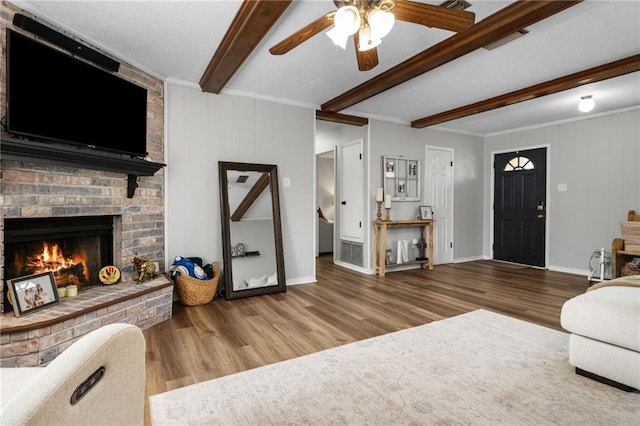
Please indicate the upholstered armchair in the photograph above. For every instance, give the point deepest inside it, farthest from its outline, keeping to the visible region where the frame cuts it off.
(100, 379)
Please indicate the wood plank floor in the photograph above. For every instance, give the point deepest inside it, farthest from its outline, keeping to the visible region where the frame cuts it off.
(224, 337)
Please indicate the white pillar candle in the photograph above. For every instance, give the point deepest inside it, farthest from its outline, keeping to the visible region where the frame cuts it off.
(380, 194)
(387, 201)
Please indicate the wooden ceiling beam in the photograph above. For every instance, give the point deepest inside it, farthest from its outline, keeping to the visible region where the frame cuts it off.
(252, 22)
(591, 75)
(504, 22)
(336, 117)
(251, 197)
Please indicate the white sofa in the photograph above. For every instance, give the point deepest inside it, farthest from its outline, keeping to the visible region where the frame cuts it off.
(99, 380)
(605, 332)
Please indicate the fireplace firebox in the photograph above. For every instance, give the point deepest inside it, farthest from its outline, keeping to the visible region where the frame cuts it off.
(73, 248)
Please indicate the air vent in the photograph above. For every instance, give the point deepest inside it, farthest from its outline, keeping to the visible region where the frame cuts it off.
(242, 179)
(456, 4)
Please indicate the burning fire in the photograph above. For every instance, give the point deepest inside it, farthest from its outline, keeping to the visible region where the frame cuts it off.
(52, 259)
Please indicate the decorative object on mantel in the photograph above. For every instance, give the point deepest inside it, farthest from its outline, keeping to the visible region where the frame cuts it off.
(71, 291)
(144, 266)
(109, 275)
(32, 293)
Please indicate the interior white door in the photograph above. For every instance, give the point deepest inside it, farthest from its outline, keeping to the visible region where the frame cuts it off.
(351, 192)
(439, 195)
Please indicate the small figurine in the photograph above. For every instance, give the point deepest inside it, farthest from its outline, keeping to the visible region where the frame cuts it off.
(144, 266)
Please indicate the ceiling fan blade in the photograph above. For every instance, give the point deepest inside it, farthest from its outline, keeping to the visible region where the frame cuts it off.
(303, 34)
(433, 16)
(368, 59)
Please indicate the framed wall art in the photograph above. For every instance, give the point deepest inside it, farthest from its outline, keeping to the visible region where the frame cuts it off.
(401, 178)
(426, 213)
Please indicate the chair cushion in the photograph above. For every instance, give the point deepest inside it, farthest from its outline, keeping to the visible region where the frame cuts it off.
(609, 314)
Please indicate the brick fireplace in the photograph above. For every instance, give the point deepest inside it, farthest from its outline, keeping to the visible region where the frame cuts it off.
(41, 191)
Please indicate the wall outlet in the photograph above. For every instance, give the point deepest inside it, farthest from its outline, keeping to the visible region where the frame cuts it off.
(562, 187)
(48, 355)
(287, 182)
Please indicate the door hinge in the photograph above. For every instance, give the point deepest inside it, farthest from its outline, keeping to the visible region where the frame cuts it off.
(361, 156)
(452, 164)
(360, 224)
(451, 244)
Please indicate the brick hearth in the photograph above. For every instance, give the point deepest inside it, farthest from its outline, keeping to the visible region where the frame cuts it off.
(35, 339)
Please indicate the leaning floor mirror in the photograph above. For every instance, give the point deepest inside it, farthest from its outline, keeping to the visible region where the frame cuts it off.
(251, 230)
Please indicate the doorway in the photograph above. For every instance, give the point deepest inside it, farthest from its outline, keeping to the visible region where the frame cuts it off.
(520, 203)
(439, 195)
(325, 201)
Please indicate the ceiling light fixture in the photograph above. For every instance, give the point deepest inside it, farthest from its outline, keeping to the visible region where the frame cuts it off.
(586, 104)
(372, 19)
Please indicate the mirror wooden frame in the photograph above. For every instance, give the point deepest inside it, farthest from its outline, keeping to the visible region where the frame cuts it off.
(223, 168)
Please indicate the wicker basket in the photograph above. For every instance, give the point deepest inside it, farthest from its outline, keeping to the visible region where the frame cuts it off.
(194, 292)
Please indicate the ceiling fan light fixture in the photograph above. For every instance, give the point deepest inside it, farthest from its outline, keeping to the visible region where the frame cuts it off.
(338, 37)
(347, 19)
(586, 104)
(380, 22)
(366, 40)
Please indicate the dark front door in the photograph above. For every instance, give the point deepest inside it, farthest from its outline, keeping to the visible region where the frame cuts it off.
(520, 206)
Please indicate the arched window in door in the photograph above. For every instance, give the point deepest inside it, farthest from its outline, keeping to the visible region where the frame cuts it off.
(519, 163)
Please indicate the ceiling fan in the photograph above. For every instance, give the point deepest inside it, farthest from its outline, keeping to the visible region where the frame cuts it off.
(368, 21)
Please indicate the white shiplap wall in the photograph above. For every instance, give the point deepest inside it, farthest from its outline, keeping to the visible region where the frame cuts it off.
(396, 139)
(203, 129)
(599, 161)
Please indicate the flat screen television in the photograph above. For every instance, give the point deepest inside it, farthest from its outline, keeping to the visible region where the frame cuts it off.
(53, 96)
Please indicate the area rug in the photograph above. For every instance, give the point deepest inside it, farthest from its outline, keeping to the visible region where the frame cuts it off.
(477, 368)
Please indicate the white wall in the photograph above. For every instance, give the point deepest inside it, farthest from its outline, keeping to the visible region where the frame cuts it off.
(597, 158)
(203, 129)
(396, 139)
(599, 161)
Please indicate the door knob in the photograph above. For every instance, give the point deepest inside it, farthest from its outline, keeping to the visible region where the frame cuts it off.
(540, 216)
(344, 203)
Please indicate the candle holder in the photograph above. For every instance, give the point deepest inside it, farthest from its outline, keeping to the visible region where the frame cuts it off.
(388, 218)
(379, 213)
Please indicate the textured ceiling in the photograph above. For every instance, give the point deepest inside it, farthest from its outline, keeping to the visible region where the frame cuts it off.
(175, 40)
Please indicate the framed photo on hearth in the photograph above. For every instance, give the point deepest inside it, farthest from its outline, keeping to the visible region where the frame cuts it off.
(32, 293)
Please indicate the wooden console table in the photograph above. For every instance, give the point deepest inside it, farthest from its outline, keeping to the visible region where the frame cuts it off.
(380, 242)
